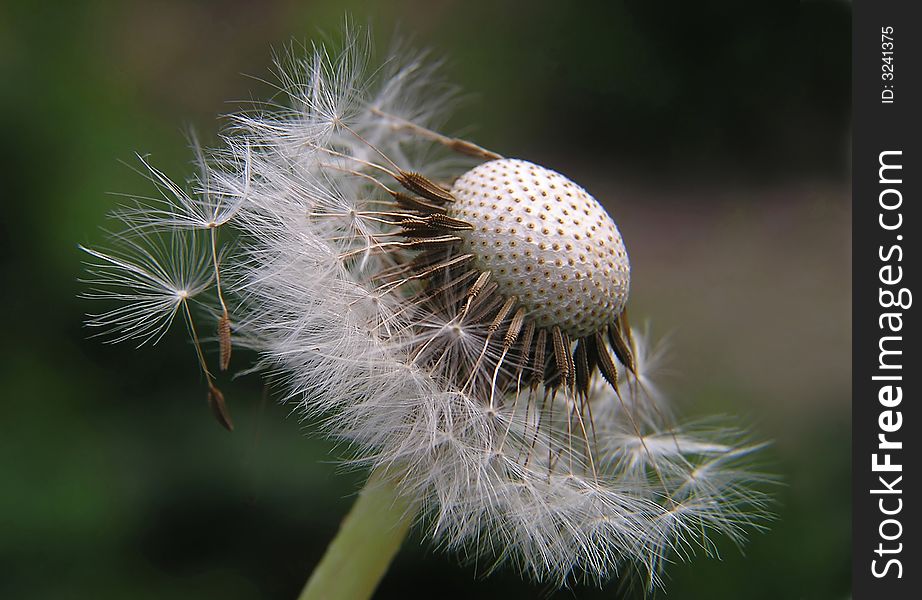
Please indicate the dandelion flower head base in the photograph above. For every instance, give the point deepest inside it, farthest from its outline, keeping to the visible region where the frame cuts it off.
(523, 255)
(456, 316)
(546, 241)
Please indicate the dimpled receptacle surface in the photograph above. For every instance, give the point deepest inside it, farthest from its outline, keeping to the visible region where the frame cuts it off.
(546, 241)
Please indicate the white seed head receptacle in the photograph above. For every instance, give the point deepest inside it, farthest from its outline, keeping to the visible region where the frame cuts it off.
(546, 241)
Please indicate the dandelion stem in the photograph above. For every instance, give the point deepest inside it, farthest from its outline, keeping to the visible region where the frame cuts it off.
(367, 541)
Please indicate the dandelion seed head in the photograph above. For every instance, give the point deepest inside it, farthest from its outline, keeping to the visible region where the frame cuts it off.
(547, 241)
(462, 328)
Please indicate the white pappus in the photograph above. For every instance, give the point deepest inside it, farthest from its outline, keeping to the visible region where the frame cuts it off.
(456, 316)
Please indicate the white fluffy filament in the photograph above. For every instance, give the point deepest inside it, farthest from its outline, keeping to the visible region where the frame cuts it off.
(519, 474)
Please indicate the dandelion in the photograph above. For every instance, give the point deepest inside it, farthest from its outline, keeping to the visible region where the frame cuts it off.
(457, 317)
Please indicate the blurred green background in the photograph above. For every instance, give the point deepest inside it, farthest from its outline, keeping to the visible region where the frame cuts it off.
(715, 133)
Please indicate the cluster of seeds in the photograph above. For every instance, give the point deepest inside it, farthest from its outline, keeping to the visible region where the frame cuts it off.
(463, 338)
(537, 257)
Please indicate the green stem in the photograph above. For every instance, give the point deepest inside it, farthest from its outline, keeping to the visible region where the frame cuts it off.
(362, 550)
